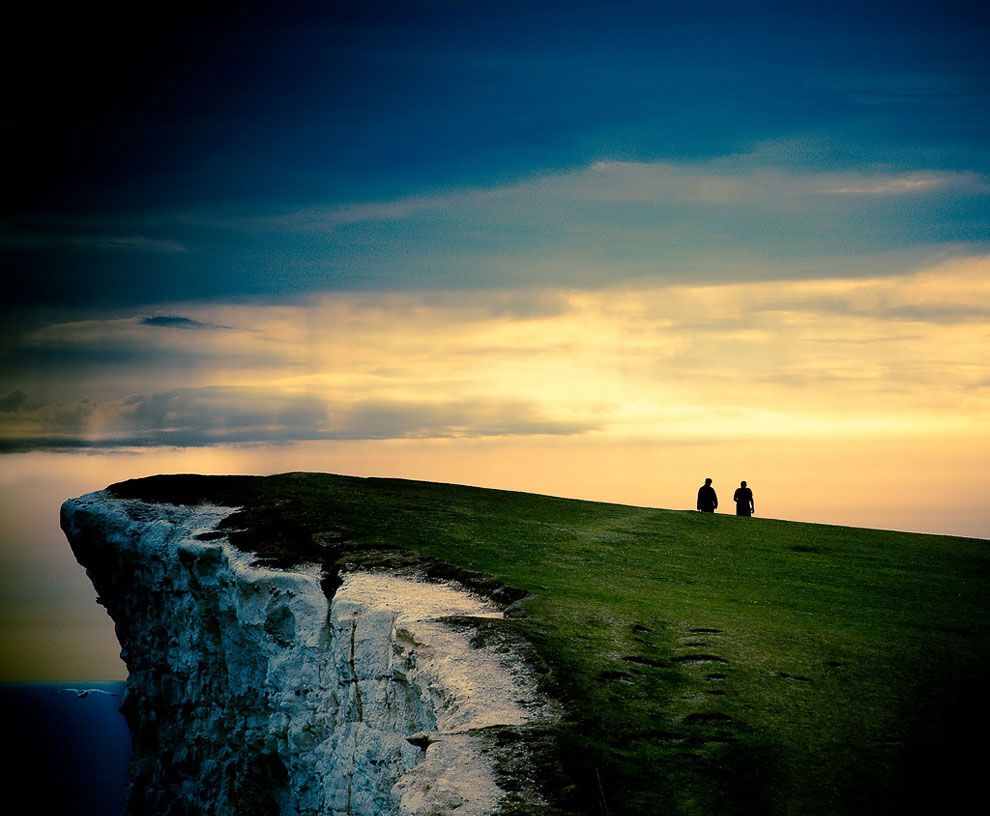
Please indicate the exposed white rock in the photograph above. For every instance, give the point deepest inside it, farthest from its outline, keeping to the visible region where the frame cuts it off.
(249, 693)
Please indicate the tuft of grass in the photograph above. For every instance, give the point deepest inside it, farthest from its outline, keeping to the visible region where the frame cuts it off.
(709, 663)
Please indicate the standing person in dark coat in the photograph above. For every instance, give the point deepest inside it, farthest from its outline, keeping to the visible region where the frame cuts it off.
(707, 500)
(743, 497)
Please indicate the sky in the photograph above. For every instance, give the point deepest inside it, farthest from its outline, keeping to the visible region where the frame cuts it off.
(596, 250)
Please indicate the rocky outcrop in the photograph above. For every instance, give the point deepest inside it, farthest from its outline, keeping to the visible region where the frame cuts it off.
(251, 692)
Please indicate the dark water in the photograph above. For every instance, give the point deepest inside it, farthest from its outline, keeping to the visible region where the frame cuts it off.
(68, 754)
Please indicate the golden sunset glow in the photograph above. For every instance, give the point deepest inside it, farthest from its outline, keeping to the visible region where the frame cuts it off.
(811, 359)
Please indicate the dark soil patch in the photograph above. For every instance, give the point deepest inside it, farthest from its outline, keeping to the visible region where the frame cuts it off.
(700, 658)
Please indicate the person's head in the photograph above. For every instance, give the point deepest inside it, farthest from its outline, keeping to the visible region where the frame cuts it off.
(742, 484)
(708, 481)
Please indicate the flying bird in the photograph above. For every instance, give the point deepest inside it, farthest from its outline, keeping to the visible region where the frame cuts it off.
(82, 692)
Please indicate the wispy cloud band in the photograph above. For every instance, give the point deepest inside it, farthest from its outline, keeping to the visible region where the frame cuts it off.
(716, 183)
(631, 361)
(728, 219)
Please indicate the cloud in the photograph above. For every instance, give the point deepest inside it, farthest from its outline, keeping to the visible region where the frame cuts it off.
(905, 184)
(637, 360)
(198, 417)
(13, 402)
(952, 291)
(456, 419)
(134, 243)
(610, 184)
(884, 88)
(178, 322)
(84, 348)
(710, 221)
(183, 417)
(717, 183)
(33, 239)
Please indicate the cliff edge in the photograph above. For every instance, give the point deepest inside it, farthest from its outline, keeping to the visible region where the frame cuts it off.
(302, 689)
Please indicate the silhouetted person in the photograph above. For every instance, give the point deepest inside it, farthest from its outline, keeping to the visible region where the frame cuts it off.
(707, 500)
(743, 497)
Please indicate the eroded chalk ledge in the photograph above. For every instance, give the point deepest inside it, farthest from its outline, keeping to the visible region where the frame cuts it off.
(250, 691)
(471, 688)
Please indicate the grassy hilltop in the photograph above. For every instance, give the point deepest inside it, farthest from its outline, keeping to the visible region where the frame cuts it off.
(710, 664)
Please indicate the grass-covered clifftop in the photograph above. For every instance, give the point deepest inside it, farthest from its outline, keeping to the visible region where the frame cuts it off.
(710, 664)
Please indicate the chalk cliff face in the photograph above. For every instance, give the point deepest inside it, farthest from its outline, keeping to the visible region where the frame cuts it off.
(250, 692)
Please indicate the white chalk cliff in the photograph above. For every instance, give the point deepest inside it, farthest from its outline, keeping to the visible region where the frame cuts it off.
(249, 692)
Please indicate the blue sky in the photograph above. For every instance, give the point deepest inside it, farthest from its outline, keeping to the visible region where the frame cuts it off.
(138, 159)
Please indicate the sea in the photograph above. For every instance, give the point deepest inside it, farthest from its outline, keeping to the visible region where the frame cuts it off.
(68, 747)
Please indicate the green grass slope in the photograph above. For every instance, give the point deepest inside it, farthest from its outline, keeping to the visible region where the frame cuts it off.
(710, 664)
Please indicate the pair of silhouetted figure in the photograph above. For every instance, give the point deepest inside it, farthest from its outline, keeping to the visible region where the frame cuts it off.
(743, 497)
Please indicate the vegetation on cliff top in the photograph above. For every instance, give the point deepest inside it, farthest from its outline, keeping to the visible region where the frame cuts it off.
(710, 664)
